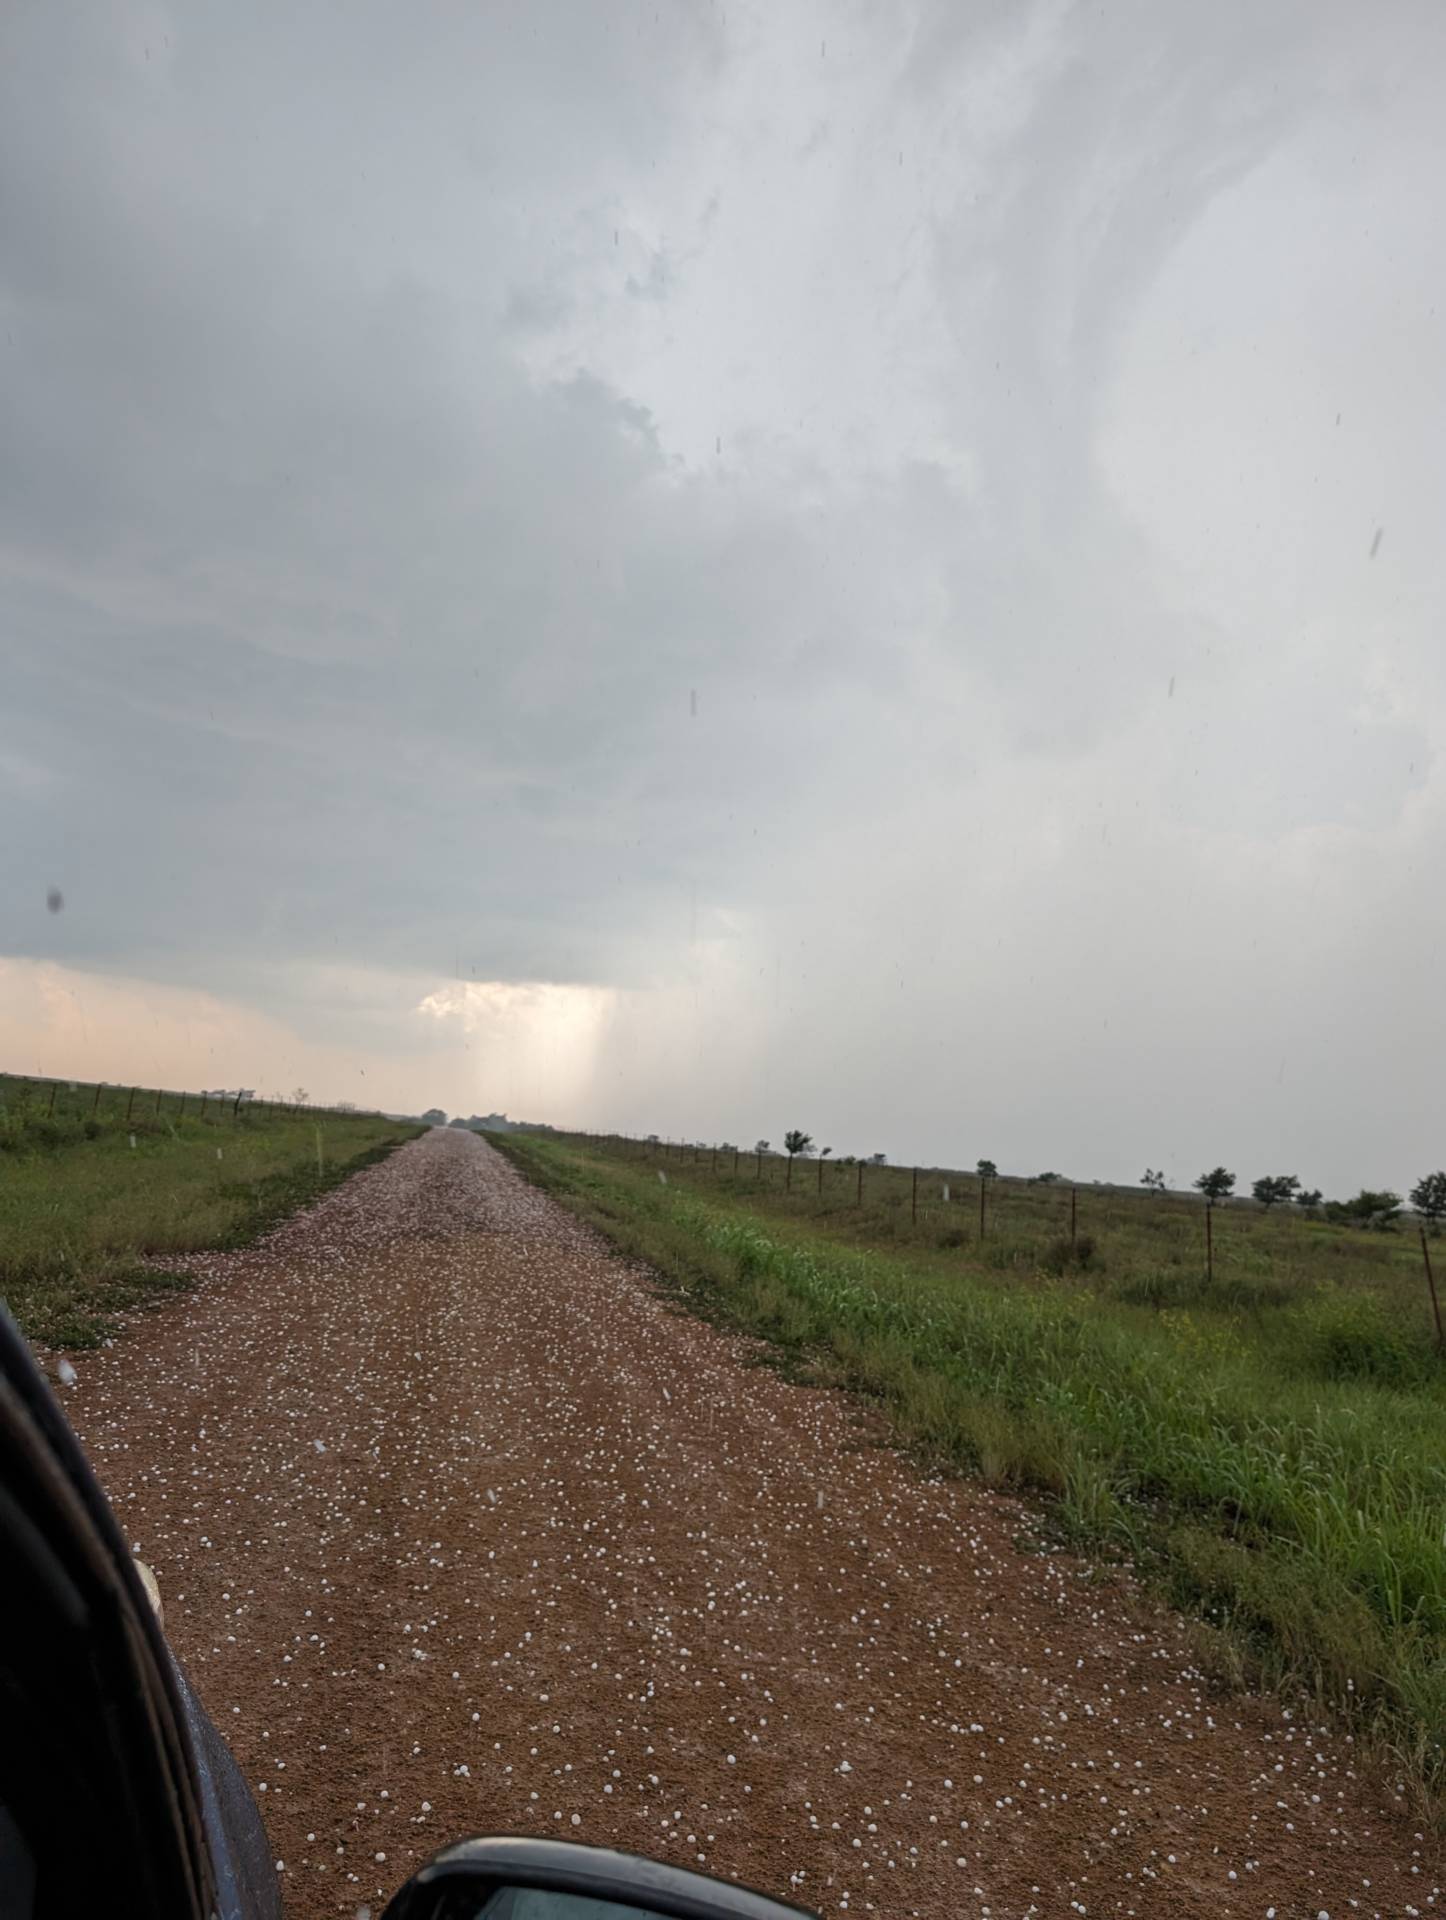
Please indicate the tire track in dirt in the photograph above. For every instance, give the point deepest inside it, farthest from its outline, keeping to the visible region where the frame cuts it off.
(461, 1528)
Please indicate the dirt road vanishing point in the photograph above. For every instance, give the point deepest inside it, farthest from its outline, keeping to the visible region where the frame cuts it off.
(460, 1527)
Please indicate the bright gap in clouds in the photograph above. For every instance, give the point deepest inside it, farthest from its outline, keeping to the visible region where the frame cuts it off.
(534, 1043)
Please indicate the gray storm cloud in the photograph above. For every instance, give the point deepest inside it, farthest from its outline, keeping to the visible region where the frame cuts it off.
(849, 536)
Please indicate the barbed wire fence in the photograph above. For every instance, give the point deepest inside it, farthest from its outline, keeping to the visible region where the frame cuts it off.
(57, 1097)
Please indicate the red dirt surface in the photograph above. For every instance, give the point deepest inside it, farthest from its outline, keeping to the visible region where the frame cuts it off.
(460, 1527)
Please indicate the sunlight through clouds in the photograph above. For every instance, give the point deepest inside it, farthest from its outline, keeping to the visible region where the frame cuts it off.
(537, 1041)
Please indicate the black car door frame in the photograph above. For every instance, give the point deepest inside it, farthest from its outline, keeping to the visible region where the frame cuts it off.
(96, 1765)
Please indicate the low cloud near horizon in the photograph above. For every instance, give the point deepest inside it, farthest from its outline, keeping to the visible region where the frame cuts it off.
(714, 568)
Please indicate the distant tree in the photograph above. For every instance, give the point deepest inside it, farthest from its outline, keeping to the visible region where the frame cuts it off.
(1216, 1185)
(878, 1159)
(299, 1096)
(435, 1117)
(1271, 1188)
(652, 1140)
(987, 1170)
(824, 1152)
(1046, 1179)
(1153, 1180)
(1428, 1196)
(1368, 1209)
(1309, 1198)
(761, 1146)
(795, 1141)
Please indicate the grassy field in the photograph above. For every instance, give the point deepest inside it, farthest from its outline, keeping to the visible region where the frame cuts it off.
(1269, 1448)
(89, 1186)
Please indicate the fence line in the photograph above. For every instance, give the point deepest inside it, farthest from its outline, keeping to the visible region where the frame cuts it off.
(229, 1103)
(693, 1150)
(988, 1185)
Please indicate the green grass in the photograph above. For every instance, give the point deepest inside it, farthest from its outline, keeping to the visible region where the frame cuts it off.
(1269, 1448)
(89, 1188)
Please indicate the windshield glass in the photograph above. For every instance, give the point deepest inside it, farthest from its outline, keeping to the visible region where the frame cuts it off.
(722, 811)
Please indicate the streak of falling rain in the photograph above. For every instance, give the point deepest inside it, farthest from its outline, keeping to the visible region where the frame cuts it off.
(1376, 543)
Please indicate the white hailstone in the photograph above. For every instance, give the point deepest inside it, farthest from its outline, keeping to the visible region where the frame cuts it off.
(66, 1372)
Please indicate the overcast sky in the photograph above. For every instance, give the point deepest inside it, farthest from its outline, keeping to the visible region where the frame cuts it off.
(710, 567)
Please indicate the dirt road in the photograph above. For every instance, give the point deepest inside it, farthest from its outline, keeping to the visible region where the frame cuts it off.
(460, 1528)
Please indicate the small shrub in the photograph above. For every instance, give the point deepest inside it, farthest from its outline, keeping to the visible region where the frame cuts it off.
(1182, 1286)
(955, 1237)
(1070, 1256)
(1347, 1336)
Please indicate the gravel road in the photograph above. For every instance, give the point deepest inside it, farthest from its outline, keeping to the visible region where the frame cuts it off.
(460, 1527)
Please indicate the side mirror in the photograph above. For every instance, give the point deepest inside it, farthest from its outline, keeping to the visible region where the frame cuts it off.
(514, 1878)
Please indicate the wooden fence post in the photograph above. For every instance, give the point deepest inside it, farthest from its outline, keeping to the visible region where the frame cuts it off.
(96, 1102)
(129, 1104)
(914, 1201)
(1073, 1212)
(859, 1197)
(983, 1189)
(1431, 1283)
(1209, 1243)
